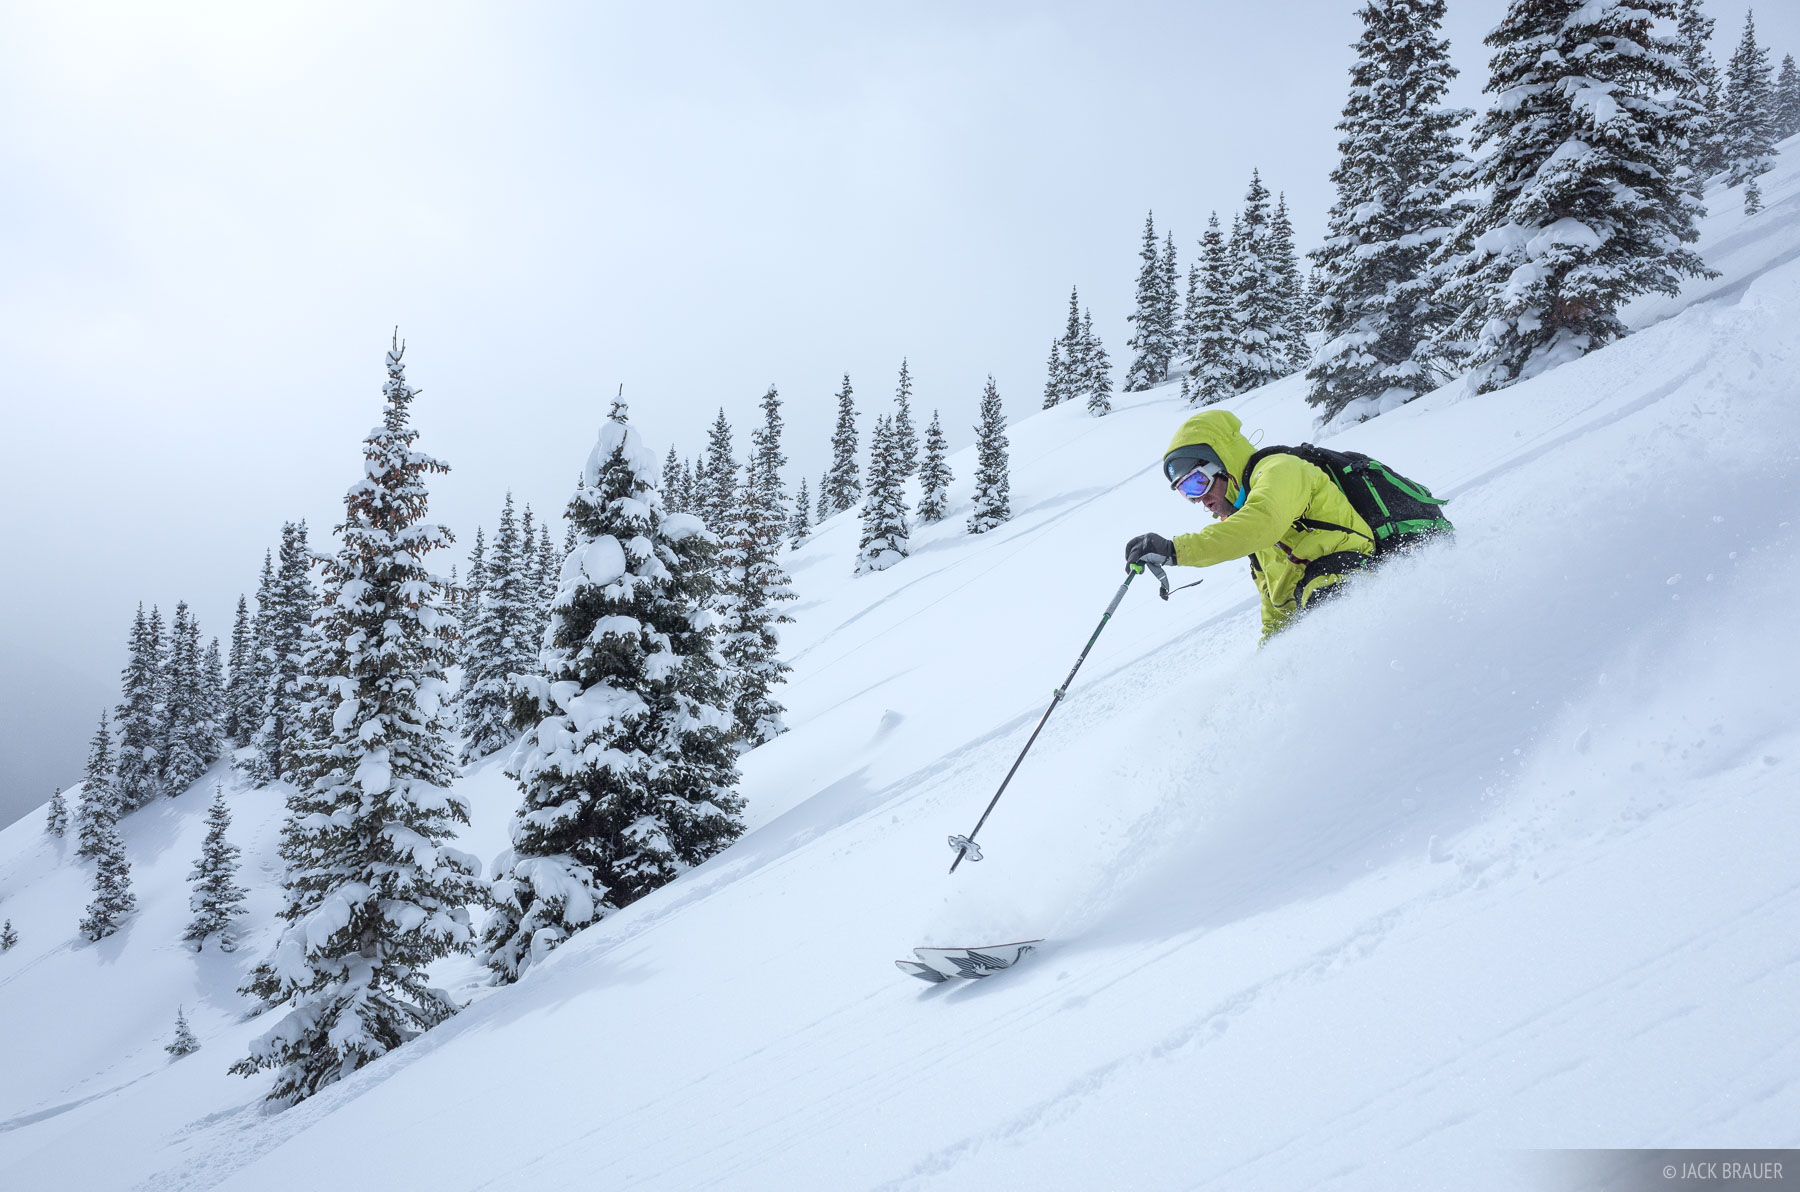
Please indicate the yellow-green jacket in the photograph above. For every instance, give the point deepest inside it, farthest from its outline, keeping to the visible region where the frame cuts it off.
(1284, 490)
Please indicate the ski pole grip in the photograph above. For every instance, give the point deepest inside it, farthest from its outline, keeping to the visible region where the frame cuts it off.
(1162, 580)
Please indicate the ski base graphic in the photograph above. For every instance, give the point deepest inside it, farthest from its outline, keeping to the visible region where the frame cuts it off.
(941, 964)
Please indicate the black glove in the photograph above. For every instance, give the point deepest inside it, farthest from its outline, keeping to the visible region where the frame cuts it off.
(1150, 548)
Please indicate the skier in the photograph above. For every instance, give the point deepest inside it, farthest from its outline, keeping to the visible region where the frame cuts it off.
(1302, 535)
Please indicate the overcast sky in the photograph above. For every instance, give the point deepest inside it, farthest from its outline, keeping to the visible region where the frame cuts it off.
(213, 215)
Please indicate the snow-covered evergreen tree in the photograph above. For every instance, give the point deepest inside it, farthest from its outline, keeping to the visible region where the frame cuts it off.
(906, 436)
(1169, 310)
(239, 688)
(718, 482)
(499, 639)
(139, 720)
(283, 647)
(9, 938)
(1749, 128)
(56, 819)
(212, 739)
(673, 483)
(767, 459)
(626, 767)
(884, 537)
(1399, 170)
(1787, 99)
(549, 570)
(1096, 370)
(800, 524)
(842, 486)
(1291, 337)
(190, 740)
(1584, 207)
(1214, 368)
(380, 895)
(184, 1042)
(113, 899)
(100, 804)
(1702, 93)
(1053, 376)
(993, 482)
(1188, 342)
(215, 898)
(754, 584)
(1150, 342)
(469, 620)
(1259, 308)
(934, 474)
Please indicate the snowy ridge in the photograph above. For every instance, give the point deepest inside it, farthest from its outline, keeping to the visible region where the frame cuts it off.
(1496, 854)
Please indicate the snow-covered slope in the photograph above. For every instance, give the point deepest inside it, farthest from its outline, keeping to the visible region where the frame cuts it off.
(1495, 854)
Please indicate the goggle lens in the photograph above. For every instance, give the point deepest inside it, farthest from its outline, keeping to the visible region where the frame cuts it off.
(1195, 484)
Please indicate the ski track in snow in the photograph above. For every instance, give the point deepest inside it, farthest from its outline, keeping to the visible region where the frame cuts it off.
(1529, 886)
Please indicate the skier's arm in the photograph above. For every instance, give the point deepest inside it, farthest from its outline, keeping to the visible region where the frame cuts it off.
(1280, 496)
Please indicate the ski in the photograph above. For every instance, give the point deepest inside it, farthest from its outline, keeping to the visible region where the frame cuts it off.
(921, 970)
(974, 963)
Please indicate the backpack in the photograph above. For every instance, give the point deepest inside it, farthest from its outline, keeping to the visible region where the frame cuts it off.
(1401, 512)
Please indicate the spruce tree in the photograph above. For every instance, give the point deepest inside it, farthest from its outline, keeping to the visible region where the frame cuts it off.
(1399, 172)
(754, 583)
(1149, 342)
(1702, 94)
(380, 895)
(1053, 376)
(842, 486)
(1259, 309)
(1214, 368)
(1169, 309)
(934, 475)
(1787, 99)
(469, 619)
(56, 822)
(1749, 138)
(884, 539)
(1291, 337)
(1096, 373)
(626, 766)
(673, 483)
(767, 459)
(292, 599)
(824, 509)
(500, 641)
(1071, 353)
(1188, 342)
(718, 483)
(256, 669)
(184, 1042)
(993, 484)
(549, 574)
(8, 937)
(800, 524)
(906, 437)
(99, 807)
(113, 899)
(139, 719)
(1584, 206)
(211, 737)
(215, 898)
(190, 739)
(239, 708)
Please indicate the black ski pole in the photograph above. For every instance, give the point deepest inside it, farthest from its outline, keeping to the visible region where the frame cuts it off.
(965, 845)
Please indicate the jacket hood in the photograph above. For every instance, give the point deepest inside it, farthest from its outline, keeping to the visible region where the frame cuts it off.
(1220, 430)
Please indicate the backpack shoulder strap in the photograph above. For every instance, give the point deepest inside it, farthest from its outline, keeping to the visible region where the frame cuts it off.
(1256, 457)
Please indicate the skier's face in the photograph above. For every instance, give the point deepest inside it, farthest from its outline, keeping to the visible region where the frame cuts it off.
(1216, 502)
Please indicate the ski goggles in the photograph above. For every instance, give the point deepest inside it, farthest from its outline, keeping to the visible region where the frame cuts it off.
(1198, 482)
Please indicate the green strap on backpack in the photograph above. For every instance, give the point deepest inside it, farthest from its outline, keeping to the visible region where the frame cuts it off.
(1402, 513)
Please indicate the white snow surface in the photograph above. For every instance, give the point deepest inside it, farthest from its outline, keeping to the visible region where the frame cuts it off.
(1496, 853)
